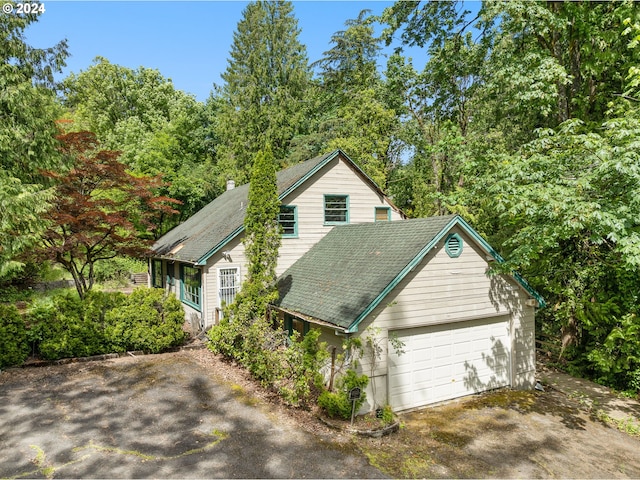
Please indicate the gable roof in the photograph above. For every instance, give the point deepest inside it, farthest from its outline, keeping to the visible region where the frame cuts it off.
(352, 269)
(211, 228)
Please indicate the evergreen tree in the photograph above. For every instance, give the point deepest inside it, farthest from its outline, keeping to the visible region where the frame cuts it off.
(263, 98)
(356, 117)
(261, 240)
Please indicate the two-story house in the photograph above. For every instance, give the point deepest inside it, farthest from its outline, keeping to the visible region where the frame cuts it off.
(202, 260)
(351, 265)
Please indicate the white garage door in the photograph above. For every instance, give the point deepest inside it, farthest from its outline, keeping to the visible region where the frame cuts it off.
(442, 362)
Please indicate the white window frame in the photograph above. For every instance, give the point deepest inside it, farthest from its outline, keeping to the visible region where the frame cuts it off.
(225, 297)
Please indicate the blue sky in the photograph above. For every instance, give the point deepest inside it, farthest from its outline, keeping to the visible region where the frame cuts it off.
(187, 41)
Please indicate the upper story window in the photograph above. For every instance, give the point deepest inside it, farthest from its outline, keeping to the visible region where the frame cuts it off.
(383, 214)
(336, 209)
(288, 220)
(191, 291)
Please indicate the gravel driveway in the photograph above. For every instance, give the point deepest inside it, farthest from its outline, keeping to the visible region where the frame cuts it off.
(162, 416)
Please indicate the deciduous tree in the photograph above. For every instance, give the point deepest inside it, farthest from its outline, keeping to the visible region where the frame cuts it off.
(27, 131)
(158, 129)
(99, 211)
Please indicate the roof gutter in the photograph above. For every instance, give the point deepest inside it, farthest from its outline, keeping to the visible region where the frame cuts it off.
(315, 321)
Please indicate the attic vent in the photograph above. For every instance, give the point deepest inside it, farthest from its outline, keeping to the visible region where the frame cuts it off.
(453, 245)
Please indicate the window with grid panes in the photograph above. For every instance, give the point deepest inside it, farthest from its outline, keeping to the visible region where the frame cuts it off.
(287, 218)
(336, 209)
(228, 284)
(191, 286)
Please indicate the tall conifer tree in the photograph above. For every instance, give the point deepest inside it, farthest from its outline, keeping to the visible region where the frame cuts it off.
(262, 99)
(27, 135)
(262, 239)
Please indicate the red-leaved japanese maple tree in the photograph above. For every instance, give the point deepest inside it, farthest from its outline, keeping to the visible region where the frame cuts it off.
(100, 210)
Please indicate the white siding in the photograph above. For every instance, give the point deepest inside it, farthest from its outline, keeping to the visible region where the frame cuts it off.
(442, 290)
(334, 178)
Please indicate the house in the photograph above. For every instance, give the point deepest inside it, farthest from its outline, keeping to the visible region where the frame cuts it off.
(424, 282)
(202, 260)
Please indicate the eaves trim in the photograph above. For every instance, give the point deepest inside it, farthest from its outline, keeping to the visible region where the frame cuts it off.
(457, 220)
(403, 273)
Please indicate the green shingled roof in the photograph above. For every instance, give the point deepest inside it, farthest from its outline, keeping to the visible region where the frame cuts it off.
(350, 271)
(344, 273)
(209, 229)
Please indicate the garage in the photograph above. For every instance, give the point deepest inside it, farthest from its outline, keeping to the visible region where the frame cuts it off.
(451, 360)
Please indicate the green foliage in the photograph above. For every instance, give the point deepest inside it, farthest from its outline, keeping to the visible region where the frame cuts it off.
(337, 404)
(100, 211)
(27, 136)
(158, 129)
(387, 415)
(354, 113)
(150, 321)
(14, 348)
(118, 269)
(264, 95)
(616, 361)
(261, 241)
(103, 322)
(290, 367)
(64, 331)
(303, 360)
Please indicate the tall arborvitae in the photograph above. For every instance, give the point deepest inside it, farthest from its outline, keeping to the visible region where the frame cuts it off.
(266, 80)
(261, 241)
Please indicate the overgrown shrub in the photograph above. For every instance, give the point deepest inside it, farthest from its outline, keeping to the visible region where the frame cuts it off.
(103, 322)
(227, 338)
(14, 348)
(64, 330)
(149, 320)
(337, 404)
(289, 367)
(303, 361)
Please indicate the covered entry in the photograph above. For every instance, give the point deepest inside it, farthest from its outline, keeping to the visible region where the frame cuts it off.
(445, 361)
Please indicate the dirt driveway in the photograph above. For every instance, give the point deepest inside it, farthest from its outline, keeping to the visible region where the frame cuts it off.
(188, 414)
